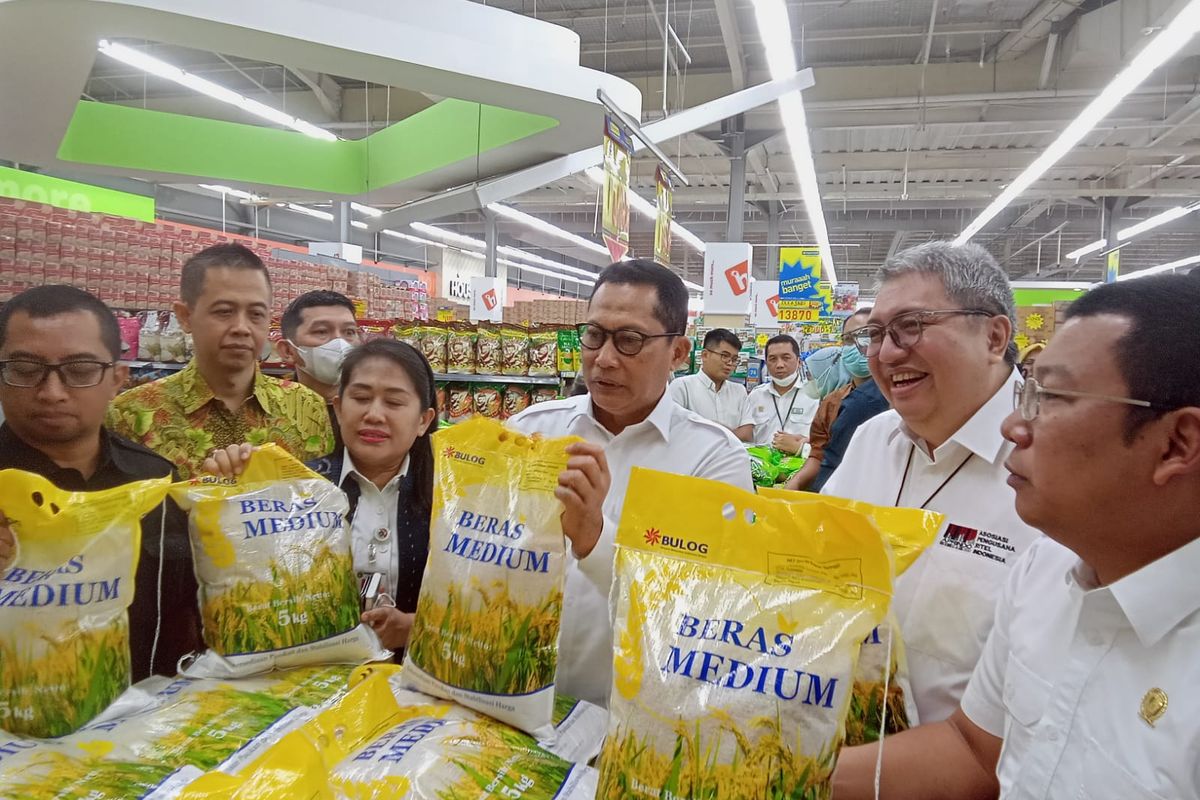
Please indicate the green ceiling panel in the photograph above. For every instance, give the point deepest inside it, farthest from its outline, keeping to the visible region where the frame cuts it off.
(443, 134)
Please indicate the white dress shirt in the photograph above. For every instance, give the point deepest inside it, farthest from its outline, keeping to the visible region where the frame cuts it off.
(374, 550)
(698, 393)
(671, 439)
(771, 412)
(1070, 666)
(945, 602)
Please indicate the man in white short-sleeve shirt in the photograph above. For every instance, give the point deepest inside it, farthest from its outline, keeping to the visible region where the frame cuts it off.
(938, 345)
(636, 319)
(709, 392)
(1087, 685)
(780, 412)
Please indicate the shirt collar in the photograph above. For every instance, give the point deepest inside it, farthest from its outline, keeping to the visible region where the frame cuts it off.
(349, 469)
(19, 454)
(707, 382)
(659, 417)
(981, 433)
(1161, 594)
(197, 392)
(771, 388)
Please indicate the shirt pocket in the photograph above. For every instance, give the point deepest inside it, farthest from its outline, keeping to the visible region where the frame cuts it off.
(1104, 778)
(1025, 698)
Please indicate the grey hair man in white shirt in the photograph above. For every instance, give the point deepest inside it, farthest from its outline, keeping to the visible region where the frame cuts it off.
(634, 334)
(1087, 685)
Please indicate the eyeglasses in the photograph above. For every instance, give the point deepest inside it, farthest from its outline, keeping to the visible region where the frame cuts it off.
(905, 329)
(726, 358)
(75, 374)
(1027, 398)
(628, 342)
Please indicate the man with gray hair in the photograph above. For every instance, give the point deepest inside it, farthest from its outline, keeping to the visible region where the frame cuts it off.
(939, 345)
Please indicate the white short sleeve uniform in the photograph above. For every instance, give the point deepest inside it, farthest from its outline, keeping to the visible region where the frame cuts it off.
(698, 393)
(945, 602)
(1094, 689)
(671, 439)
(771, 412)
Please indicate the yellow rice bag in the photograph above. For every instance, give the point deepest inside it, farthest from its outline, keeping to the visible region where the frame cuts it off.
(738, 621)
(909, 531)
(64, 627)
(277, 583)
(487, 622)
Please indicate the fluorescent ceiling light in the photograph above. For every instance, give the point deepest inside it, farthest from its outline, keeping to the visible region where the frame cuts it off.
(358, 224)
(229, 190)
(547, 273)
(775, 30)
(1087, 249)
(154, 66)
(415, 239)
(646, 209)
(1162, 47)
(370, 212)
(461, 241)
(536, 259)
(545, 227)
(1169, 215)
(449, 236)
(312, 212)
(1174, 265)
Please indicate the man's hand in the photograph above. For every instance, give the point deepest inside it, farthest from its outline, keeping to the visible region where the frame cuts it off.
(8, 544)
(228, 462)
(582, 487)
(788, 442)
(391, 625)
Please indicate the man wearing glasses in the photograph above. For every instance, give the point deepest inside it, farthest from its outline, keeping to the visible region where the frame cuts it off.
(939, 345)
(709, 392)
(634, 334)
(58, 372)
(1086, 687)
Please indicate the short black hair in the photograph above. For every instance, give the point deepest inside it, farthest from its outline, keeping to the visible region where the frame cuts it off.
(219, 256)
(293, 315)
(722, 336)
(1159, 357)
(672, 306)
(54, 299)
(782, 338)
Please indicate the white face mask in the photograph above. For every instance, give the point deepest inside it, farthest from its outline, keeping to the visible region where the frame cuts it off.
(324, 363)
(787, 381)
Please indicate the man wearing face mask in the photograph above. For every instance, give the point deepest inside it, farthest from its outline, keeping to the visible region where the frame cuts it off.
(779, 413)
(319, 329)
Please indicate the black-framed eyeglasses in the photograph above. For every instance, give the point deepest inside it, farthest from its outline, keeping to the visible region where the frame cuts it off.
(905, 329)
(1027, 398)
(628, 342)
(25, 374)
(726, 358)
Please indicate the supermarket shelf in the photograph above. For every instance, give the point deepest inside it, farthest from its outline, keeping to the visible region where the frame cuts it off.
(270, 369)
(547, 380)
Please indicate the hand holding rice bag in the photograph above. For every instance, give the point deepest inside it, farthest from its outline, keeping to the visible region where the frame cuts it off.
(487, 623)
(277, 583)
(64, 627)
(738, 621)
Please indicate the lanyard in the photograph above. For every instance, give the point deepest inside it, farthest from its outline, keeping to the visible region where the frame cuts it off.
(936, 491)
(775, 402)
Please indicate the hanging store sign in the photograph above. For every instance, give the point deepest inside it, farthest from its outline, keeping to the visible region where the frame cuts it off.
(727, 278)
(662, 219)
(615, 217)
(487, 300)
(1112, 267)
(766, 304)
(799, 273)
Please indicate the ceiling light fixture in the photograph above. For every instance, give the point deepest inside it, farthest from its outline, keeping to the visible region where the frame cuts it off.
(542, 225)
(646, 209)
(1171, 267)
(1162, 47)
(368, 210)
(1087, 249)
(1170, 215)
(775, 30)
(312, 212)
(460, 242)
(229, 190)
(536, 259)
(148, 63)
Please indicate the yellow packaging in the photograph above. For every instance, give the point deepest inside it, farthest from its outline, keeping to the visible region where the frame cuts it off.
(487, 622)
(882, 664)
(277, 582)
(738, 622)
(64, 626)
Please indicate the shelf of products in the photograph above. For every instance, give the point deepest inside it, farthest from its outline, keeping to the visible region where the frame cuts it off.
(545, 380)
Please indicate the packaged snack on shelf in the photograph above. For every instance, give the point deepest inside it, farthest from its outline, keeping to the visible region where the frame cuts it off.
(486, 630)
(541, 394)
(460, 348)
(568, 350)
(489, 359)
(516, 400)
(149, 346)
(460, 402)
(543, 351)
(909, 531)
(408, 332)
(173, 341)
(374, 329)
(514, 347)
(487, 397)
(738, 624)
(130, 327)
(277, 583)
(433, 345)
(64, 627)
(442, 410)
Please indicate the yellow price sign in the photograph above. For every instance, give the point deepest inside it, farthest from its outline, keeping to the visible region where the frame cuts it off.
(800, 310)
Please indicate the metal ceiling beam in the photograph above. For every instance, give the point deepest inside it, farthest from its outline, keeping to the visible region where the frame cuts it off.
(1035, 27)
(327, 91)
(731, 35)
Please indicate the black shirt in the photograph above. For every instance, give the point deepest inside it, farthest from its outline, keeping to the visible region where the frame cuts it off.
(121, 462)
